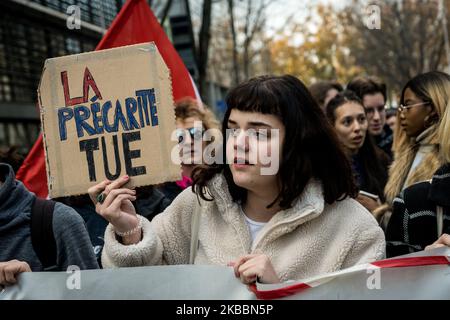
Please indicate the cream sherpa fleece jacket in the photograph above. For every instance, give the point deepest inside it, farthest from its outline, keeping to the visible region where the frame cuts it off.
(309, 239)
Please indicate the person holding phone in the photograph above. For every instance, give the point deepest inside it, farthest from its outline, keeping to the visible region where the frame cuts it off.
(348, 116)
(373, 94)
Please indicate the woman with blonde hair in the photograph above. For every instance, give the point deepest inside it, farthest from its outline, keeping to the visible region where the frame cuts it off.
(423, 101)
(192, 122)
(421, 212)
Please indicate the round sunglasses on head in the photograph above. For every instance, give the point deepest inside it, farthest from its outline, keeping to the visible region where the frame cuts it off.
(195, 133)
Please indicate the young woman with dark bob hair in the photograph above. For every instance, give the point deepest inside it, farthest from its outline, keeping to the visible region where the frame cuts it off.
(298, 222)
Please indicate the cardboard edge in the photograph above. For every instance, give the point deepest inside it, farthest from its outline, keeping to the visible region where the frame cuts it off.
(171, 176)
(83, 54)
(42, 125)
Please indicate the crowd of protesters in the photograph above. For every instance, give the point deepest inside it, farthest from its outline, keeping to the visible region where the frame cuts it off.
(357, 181)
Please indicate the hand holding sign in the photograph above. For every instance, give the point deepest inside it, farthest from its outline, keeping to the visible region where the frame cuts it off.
(117, 207)
(106, 114)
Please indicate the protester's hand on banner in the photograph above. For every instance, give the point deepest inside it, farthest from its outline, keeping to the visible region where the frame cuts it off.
(113, 202)
(10, 269)
(255, 267)
(443, 241)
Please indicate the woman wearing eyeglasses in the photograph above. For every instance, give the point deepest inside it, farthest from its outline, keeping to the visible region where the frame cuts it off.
(421, 213)
(294, 222)
(416, 149)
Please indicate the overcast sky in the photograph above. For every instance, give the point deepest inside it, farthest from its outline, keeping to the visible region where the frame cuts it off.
(280, 10)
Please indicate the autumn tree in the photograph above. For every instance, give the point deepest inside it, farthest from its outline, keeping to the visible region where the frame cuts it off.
(410, 39)
(320, 54)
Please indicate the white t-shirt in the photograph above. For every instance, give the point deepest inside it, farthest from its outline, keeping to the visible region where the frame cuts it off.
(253, 226)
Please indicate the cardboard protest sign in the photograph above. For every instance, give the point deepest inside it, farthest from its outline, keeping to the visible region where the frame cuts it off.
(106, 114)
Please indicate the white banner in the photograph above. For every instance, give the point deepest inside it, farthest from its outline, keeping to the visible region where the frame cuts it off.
(424, 275)
(143, 283)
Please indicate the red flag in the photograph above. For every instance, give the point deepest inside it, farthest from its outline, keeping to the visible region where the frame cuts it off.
(134, 24)
(32, 172)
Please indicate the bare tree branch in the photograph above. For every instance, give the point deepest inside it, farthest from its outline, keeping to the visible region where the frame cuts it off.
(166, 11)
(234, 44)
(203, 46)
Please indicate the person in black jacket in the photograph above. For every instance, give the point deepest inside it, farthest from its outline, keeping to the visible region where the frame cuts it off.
(421, 213)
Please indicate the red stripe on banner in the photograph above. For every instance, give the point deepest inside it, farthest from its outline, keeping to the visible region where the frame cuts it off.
(278, 293)
(412, 262)
(392, 263)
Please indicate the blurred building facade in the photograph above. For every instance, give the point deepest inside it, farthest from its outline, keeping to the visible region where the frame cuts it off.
(34, 30)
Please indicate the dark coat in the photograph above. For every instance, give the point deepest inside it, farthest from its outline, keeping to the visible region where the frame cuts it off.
(385, 140)
(413, 224)
(71, 237)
